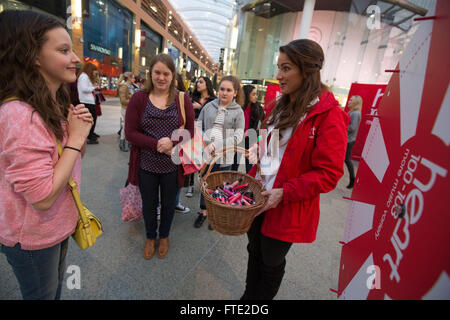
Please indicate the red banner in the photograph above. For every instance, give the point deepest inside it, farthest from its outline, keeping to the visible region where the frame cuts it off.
(397, 233)
(371, 95)
(272, 92)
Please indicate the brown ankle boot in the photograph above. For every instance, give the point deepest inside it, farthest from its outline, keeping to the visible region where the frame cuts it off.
(163, 247)
(149, 248)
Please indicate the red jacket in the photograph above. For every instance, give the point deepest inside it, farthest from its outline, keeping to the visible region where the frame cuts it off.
(135, 135)
(312, 164)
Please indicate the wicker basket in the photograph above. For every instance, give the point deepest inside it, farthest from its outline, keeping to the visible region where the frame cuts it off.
(224, 218)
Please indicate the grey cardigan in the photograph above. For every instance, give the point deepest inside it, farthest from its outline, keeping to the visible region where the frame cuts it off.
(234, 123)
(355, 120)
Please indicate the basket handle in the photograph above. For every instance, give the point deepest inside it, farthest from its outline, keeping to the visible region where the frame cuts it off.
(212, 161)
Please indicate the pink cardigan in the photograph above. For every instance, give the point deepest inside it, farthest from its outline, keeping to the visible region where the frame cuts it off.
(28, 155)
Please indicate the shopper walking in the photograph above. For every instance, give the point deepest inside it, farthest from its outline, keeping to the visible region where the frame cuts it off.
(37, 211)
(87, 85)
(203, 94)
(254, 115)
(218, 119)
(126, 90)
(153, 114)
(355, 105)
(312, 130)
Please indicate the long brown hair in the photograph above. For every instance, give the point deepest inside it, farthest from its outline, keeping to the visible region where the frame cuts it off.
(89, 69)
(237, 86)
(23, 33)
(308, 56)
(168, 61)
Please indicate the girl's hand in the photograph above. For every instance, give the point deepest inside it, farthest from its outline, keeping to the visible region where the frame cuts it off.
(275, 197)
(77, 128)
(253, 154)
(210, 149)
(82, 113)
(196, 105)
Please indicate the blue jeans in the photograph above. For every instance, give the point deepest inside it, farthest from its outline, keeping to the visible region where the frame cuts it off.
(40, 273)
(214, 169)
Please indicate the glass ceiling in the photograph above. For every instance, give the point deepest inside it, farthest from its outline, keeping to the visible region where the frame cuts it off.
(208, 20)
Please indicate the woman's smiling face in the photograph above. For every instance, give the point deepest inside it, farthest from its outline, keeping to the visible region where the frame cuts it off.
(56, 60)
(289, 75)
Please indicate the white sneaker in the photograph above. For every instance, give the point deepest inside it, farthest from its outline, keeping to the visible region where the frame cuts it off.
(182, 209)
(190, 192)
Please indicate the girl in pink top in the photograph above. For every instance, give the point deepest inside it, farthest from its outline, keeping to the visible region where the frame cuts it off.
(37, 211)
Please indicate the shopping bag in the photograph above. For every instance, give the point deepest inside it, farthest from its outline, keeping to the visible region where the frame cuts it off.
(131, 200)
(191, 151)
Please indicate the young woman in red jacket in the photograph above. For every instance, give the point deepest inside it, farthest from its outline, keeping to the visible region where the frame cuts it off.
(306, 159)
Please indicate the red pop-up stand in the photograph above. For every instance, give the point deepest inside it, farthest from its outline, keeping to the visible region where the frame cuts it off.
(397, 235)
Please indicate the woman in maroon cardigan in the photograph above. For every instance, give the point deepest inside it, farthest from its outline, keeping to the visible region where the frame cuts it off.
(153, 115)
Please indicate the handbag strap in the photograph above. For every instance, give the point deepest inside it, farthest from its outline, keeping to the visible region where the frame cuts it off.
(74, 189)
(10, 99)
(183, 111)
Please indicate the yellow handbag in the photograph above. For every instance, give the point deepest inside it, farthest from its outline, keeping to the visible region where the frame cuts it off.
(89, 227)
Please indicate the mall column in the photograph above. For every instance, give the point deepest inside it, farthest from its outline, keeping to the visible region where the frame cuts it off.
(307, 14)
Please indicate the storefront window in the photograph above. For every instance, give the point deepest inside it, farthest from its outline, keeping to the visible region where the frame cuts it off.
(175, 54)
(355, 51)
(149, 48)
(191, 69)
(108, 40)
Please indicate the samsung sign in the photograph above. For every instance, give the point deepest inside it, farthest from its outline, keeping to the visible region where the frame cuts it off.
(99, 49)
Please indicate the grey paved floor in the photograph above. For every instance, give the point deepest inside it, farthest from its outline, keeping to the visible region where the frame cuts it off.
(201, 264)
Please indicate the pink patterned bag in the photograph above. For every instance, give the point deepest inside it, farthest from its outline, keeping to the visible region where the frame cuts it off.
(130, 196)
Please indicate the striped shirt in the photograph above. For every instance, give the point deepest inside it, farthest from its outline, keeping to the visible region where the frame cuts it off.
(217, 129)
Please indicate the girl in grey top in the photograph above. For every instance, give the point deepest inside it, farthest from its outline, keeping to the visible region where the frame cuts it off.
(355, 105)
(222, 121)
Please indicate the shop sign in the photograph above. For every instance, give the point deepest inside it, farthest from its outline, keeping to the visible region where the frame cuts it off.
(250, 81)
(97, 48)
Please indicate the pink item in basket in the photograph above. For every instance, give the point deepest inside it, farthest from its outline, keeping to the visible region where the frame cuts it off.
(131, 200)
